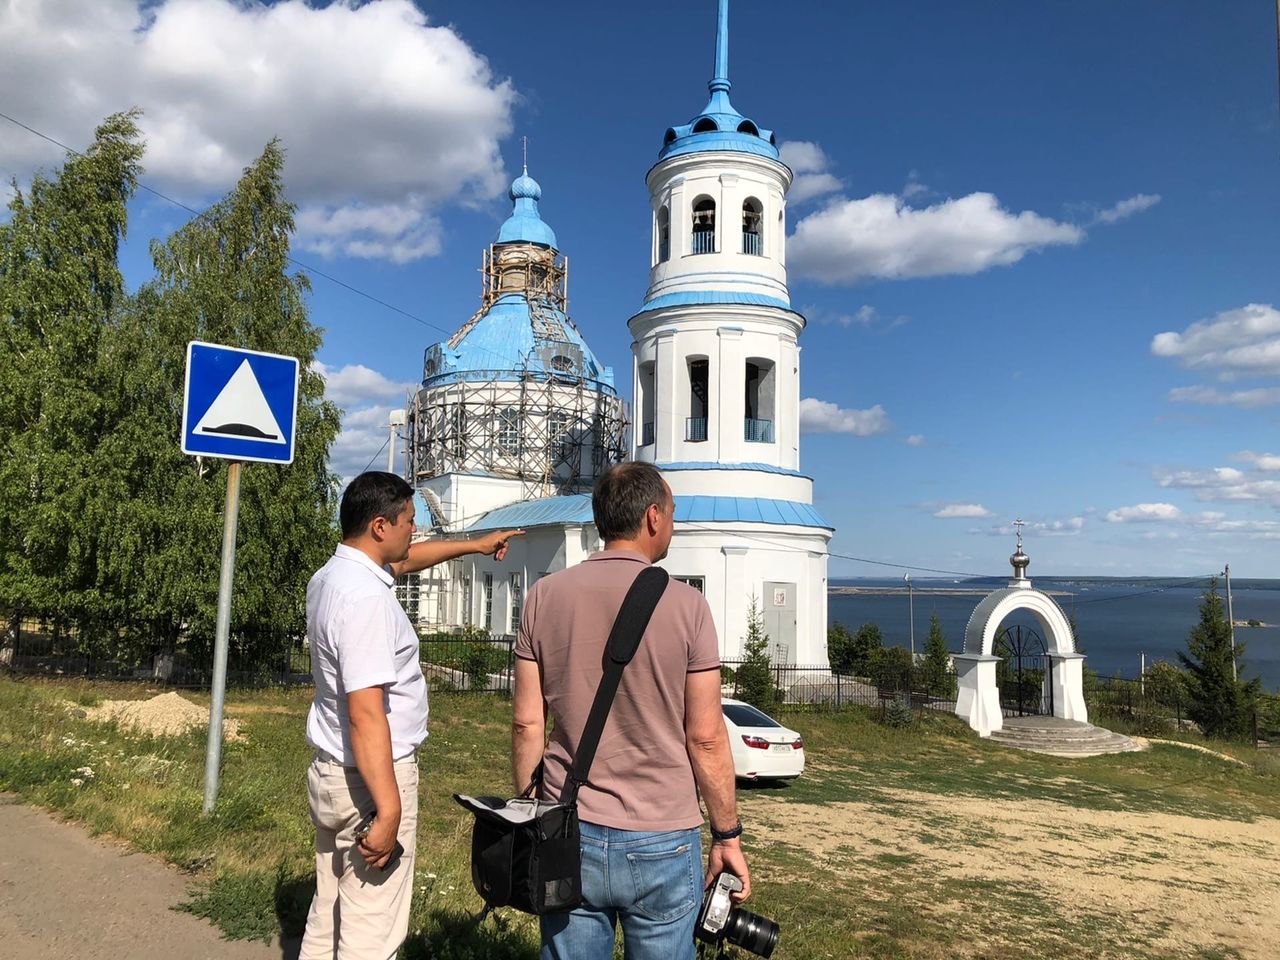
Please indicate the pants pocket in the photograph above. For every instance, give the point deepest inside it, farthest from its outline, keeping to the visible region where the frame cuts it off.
(666, 880)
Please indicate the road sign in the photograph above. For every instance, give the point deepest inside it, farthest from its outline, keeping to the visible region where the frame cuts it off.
(239, 404)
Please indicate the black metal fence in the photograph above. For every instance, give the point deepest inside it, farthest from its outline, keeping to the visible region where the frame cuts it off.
(472, 662)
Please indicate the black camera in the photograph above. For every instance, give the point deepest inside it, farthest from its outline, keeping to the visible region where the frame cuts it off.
(719, 920)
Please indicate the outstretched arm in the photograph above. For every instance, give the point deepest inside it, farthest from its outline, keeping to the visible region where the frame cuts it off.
(427, 553)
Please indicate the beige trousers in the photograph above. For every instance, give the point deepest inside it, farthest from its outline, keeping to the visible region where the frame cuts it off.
(359, 912)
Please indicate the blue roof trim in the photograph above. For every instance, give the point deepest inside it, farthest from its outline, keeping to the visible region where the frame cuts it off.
(548, 511)
(714, 297)
(552, 511)
(525, 225)
(718, 140)
(717, 465)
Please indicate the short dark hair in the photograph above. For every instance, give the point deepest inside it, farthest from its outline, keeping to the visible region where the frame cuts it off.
(372, 494)
(621, 497)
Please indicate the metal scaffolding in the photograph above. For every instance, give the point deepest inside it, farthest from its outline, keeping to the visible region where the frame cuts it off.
(549, 424)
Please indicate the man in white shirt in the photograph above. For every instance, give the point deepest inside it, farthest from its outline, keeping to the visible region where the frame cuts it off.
(367, 719)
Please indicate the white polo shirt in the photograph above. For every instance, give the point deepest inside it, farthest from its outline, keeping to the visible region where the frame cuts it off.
(360, 637)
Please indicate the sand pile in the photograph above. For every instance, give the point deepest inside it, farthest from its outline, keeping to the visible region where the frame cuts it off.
(167, 715)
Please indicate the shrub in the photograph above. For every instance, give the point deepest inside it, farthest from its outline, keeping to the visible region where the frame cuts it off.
(897, 713)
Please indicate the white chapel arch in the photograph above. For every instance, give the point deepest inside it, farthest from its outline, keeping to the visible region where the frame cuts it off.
(978, 698)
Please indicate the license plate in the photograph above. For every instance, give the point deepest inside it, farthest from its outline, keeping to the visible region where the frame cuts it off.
(781, 748)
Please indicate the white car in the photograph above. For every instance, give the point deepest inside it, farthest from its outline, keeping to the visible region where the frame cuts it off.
(763, 749)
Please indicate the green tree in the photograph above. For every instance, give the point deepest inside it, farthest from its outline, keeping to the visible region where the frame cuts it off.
(839, 646)
(60, 285)
(1220, 704)
(891, 669)
(223, 278)
(937, 677)
(868, 644)
(1166, 685)
(754, 676)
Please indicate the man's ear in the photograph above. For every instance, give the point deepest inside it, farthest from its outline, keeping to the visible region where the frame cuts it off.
(652, 519)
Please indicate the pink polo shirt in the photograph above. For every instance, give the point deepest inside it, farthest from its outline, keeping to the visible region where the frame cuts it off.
(641, 778)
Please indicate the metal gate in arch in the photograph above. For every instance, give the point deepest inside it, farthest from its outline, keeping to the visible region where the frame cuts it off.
(1021, 673)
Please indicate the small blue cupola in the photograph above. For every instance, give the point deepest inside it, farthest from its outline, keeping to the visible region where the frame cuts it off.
(525, 225)
(719, 126)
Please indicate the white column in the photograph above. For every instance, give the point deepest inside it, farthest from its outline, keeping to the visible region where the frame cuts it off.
(666, 380)
(978, 700)
(733, 618)
(788, 404)
(1066, 679)
(730, 403)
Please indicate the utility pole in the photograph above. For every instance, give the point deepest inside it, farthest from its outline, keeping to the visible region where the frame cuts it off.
(1231, 618)
(911, 608)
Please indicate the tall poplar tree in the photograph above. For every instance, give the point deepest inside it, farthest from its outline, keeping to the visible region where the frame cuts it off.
(936, 668)
(224, 278)
(60, 283)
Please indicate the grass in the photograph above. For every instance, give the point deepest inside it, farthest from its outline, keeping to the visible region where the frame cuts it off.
(251, 862)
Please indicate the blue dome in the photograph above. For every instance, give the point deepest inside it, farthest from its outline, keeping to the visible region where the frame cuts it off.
(525, 186)
(525, 225)
(503, 346)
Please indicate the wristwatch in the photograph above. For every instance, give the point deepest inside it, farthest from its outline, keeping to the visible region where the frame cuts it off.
(730, 834)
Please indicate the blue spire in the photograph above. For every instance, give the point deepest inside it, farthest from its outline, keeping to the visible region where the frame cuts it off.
(719, 126)
(721, 80)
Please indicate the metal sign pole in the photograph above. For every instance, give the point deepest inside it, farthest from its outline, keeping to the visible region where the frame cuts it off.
(213, 756)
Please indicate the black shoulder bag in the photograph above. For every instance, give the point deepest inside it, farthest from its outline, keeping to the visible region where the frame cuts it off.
(525, 852)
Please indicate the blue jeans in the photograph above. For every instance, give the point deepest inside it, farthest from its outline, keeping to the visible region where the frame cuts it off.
(651, 882)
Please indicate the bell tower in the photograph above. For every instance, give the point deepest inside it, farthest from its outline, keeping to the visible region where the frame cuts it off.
(716, 372)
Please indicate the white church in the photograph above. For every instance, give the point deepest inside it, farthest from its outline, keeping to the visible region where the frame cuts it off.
(515, 417)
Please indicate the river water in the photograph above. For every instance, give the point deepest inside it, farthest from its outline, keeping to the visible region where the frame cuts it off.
(1116, 622)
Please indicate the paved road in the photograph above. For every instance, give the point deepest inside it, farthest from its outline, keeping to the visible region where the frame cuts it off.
(67, 896)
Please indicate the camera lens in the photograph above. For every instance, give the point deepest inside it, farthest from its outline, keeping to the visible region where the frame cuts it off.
(751, 932)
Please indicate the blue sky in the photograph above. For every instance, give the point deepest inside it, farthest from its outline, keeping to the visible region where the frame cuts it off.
(1036, 243)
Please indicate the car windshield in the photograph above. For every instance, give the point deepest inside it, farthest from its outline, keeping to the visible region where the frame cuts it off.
(745, 716)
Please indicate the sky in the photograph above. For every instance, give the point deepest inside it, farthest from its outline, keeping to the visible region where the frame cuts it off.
(1035, 243)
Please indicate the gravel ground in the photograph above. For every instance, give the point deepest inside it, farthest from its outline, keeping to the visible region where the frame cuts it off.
(67, 895)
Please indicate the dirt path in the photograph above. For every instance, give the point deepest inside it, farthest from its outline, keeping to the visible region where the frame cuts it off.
(66, 894)
(1174, 883)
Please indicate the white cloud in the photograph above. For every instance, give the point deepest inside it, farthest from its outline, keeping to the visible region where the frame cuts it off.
(360, 444)
(1144, 513)
(1212, 396)
(384, 116)
(355, 385)
(1260, 461)
(811, 167)
(956, 511)
(819, 416)
(367, 398)
(1223, 484)
(1127, 208)
(1070, 527)
(915, 440)
(882, 237)
(866, 316)
(1240, 342)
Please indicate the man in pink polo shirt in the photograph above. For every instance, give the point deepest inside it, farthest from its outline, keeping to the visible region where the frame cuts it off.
(664, 741)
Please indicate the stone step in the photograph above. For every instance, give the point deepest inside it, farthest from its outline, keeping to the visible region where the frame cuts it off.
(1061, 738)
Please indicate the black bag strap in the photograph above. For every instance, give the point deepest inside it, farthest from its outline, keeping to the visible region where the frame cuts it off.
(624, 640)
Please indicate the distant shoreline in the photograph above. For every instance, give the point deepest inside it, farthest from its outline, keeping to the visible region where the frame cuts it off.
(846, 591)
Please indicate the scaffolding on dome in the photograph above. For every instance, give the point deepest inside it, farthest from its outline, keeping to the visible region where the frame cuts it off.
(555, 429)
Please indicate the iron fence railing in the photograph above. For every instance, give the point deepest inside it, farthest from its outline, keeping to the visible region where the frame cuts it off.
(695, 428)
(704, 241)
(757, 431)
(751, 243)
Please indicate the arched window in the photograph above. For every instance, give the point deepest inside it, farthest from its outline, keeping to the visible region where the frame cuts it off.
(752, 227)
(758, 427)
(704, 225)
(746, 126)
(695, 425)
(664, 235)
(705, 125)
